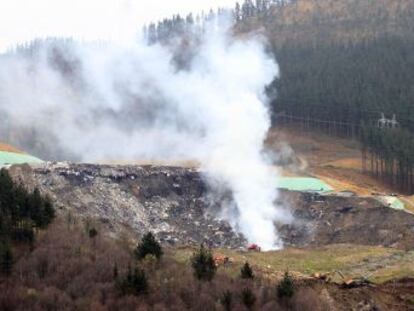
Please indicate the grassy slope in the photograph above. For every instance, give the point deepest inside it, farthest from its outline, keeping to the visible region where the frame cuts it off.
(353, 261)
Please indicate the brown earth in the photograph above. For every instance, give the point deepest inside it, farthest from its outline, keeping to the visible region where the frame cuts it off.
(335, 160)
(8, 148)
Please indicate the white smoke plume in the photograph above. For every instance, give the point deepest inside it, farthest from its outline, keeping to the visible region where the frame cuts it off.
(130, 102)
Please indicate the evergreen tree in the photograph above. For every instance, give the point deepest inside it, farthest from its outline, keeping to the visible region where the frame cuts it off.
(203, 264)
(226, 300)
(286, 288)
(92, 233)
(6, 259)
(48, 211)
(135, 283)
(246, 272)
(115, 271)
(21, 212)
(148, 246)
(237, 12)
(248, 298)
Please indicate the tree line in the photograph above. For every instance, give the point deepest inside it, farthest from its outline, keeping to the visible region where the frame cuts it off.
(21, 214)
(389, 154)
(342, 64)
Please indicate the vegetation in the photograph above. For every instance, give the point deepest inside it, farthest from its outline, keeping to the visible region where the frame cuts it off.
(65, 271)
(6, 259)
(286, 287)
(92, 233)
(333, 75)
(227, 300)
(390, 153)
(148, 246)
(21, 212)
(203, 264)
(248, 298)
(246, 272)
(134, 283)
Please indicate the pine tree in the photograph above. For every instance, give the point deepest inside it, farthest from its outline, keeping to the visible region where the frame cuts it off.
(148, 246)
(246, 272)
(48, 211)
(135, 283)
(203, 264)
(92, 233)
(226, 300)
(237, 12)
(6, 259)
(248, 298)
(115, 271)
(286, 288)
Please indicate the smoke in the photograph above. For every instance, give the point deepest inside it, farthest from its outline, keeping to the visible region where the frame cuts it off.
(94, 102)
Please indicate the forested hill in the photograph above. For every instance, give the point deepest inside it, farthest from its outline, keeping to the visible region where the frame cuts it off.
(344, 61)
(341, 60)
(314, 20)
(343, 64)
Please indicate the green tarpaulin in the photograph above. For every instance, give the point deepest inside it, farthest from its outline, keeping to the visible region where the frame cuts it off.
(303, 184)
(392, 202)
(7, 158)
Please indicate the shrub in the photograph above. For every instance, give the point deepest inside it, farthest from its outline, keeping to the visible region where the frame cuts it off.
(286, 288)
(246, 272)
(92, 233)
(115, 271)
(6, 259)
(148, 246)
(226, 300)
(203, 264)
(248, 298)
(134, 283)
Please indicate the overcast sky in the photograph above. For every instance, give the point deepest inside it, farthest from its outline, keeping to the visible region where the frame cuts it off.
(24, 20)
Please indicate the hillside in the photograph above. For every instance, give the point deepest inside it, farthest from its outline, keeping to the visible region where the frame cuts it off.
(336, 21)
(346, 68)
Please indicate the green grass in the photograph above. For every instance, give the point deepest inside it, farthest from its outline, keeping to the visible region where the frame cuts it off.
(353, 261)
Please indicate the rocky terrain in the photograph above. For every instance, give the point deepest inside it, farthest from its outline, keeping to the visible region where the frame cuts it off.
(335, 219)
(174, 203)
(171, 202)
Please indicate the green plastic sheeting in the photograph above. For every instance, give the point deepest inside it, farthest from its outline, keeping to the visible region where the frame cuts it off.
(393, 202)
(7, 158)
(303, 184)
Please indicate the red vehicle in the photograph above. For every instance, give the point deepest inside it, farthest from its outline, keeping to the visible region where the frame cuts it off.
(254, 247)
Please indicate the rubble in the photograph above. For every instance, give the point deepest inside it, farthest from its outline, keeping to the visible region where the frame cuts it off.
(168, 201)
(176, 205)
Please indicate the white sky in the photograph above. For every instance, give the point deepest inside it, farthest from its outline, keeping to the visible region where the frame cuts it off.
(24, 20)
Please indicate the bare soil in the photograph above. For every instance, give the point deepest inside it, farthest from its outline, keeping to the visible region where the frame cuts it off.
(335, 160)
